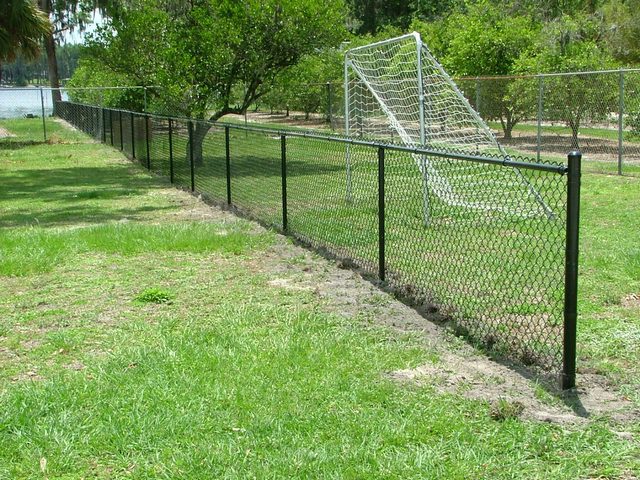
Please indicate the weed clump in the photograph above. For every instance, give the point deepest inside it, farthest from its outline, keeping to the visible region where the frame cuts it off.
(154, 295)
(502, 410)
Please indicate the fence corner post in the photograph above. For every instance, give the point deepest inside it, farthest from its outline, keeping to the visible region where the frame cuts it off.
(171, 151)
(568, 377)
(44, 121)
(191, 163)
(620, 120)
(228, 162)
(381, 216)
(283, 162)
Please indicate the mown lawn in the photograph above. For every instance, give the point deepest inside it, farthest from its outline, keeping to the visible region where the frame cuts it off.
(137, 340)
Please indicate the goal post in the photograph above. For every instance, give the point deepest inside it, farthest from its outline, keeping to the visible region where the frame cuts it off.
(396, 88)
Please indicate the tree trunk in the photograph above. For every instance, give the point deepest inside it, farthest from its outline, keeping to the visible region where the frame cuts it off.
(508, 122)
(200, 131)
(575, 126)
(52, 61)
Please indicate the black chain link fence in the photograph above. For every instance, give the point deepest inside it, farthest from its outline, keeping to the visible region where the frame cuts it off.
(504, 281)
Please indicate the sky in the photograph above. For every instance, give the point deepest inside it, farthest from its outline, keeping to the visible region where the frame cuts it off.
(78, 37)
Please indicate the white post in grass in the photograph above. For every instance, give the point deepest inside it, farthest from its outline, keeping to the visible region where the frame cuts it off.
(346, 127)
(423, 159)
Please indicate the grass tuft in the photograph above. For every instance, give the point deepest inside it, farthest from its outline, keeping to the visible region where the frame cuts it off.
(154, 295)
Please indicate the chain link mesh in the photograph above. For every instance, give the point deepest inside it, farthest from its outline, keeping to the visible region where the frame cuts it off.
(532, 116)
(497, 278)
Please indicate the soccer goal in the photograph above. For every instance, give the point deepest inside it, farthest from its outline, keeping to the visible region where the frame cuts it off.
(396, 90)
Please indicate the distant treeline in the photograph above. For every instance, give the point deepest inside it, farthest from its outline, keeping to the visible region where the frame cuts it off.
(22, 73)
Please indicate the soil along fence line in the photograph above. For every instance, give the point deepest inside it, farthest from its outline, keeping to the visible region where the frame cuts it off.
(504, 277)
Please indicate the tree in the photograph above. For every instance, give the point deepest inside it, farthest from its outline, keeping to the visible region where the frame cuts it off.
(22, 27)
(483, 41)
(622, 20)
(66, 15)
(570, 44)
(198, 53)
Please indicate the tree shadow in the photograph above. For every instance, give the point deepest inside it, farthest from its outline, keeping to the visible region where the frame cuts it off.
(74, 195)
(18, 144)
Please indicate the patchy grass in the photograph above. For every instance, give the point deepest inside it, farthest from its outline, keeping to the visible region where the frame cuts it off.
(609, 324)
(232, 378)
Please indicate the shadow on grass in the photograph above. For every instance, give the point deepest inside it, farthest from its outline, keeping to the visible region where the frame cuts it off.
(18, 144)
(74, 195)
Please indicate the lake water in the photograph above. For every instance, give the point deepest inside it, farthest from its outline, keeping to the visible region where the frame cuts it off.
(18, 102)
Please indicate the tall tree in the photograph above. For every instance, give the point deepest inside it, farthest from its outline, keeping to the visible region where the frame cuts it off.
(22, 27)
(200, 52)
(622, 18)
(571, 44)
(484, 41)
(66, 15)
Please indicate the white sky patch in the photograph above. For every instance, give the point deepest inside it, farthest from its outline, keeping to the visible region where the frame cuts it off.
(77, 36)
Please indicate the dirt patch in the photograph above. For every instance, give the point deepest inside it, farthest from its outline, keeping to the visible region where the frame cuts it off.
(31, 344)
(631, 301)
(460, 368)
(4, 133)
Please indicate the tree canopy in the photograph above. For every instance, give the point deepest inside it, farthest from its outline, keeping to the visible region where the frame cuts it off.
(22, 27)
(200, 52)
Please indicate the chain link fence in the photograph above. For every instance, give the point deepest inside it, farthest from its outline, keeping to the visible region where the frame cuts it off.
(543, 116)
(505, 281)
(37, 103)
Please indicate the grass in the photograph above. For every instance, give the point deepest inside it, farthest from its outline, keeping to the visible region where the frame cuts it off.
(231, 378)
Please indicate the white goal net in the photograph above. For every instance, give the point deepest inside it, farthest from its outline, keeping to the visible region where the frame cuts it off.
(396, 90)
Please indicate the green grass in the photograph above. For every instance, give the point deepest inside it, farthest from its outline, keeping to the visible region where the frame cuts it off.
(610, 280)
(604, 133)
(231, 378)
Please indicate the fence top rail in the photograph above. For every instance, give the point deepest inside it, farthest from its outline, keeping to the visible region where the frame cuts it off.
(555, 74)
(44, 87)
(506, 161)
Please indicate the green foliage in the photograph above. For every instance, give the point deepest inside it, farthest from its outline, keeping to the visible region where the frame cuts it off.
(483, 41)
(22, 26)
(569, 44)
(92, 73)
(199, 53)
(622, 34)
(303, 87)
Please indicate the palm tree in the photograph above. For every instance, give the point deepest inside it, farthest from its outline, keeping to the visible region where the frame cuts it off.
(22, 28)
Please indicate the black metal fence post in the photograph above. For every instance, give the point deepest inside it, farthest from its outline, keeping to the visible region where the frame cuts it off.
(283, 158)
(104, 123)
(121, 136)
(111, 126)
(44, 121)
(330, 104)
(146, 134)
(133, 136)
(228, 163)
(193, 182)
(568, 379)
(170, 150)
(381, 216)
